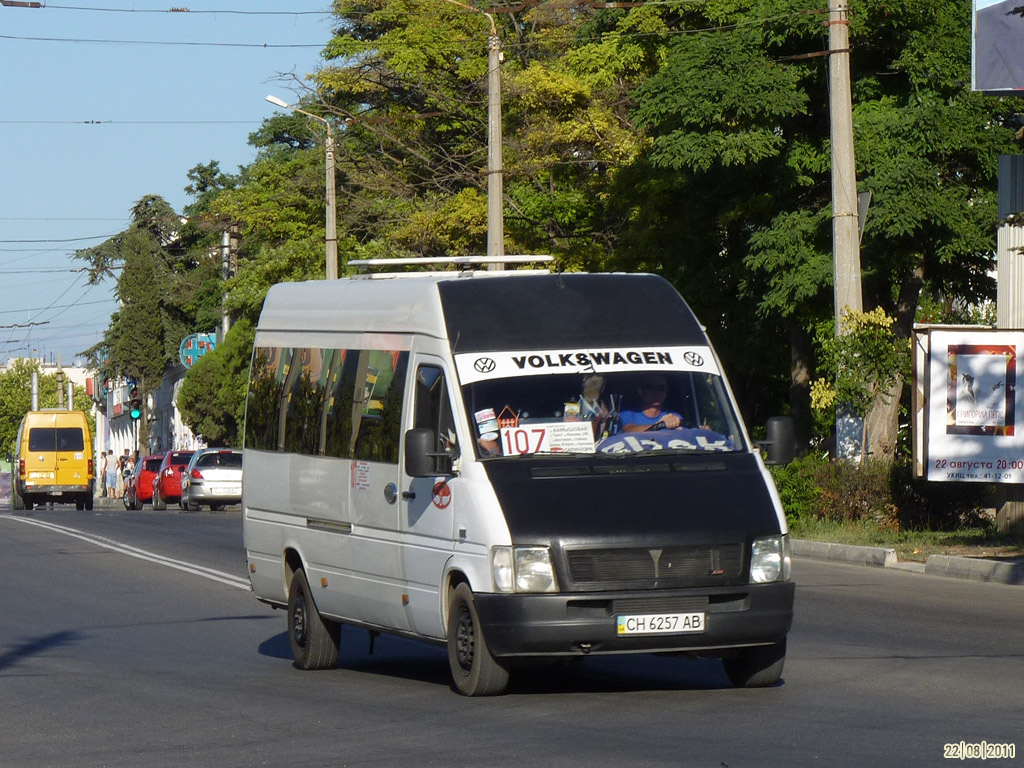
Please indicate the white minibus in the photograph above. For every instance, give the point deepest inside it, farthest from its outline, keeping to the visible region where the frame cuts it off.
(516, 464)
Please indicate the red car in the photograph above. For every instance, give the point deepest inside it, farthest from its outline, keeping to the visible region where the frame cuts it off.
(167, 483)
(138, 488)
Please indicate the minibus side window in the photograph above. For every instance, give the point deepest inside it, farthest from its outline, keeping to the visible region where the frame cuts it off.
(380, 387)
(433, 408)
(305, 395)
(262, 413)
(339, 405)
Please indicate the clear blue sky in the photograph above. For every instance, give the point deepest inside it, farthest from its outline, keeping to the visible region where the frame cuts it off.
(168, 90)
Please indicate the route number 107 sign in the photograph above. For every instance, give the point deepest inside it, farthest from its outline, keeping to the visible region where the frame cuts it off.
(548, 437)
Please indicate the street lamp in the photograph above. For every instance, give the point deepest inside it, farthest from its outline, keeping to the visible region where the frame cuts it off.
(332, 226)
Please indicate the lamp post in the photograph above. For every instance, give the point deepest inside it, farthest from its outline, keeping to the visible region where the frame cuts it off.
(331, 222)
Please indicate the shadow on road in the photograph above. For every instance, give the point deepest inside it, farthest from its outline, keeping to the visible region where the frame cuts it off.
(410, 660)
(34, 647)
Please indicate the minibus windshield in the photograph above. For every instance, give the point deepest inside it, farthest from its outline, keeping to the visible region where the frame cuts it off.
(636, 412)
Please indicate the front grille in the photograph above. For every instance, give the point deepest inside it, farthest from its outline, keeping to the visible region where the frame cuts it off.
(667, 567)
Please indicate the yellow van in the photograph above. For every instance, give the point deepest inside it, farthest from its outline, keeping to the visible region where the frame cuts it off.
(55, 459)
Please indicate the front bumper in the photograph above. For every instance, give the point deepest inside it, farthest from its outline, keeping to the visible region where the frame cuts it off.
(579, 624)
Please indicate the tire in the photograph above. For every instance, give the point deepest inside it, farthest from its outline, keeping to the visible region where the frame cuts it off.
(127, 500)
(158, 500)
(17, 502)
(79, 504)
(314, 640)
(88, 502)
(757, 667)
(215, 507)
(475, 672)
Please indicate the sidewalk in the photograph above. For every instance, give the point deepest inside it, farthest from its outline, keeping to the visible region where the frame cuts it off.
(973, 568)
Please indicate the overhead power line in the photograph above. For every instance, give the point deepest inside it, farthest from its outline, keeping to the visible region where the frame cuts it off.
(158, 42)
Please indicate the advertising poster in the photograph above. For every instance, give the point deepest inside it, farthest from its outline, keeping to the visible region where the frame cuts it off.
(972, 432)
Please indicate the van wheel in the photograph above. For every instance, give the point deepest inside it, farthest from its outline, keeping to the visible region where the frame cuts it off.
(314, 639)
(88, 502)
(158, 502)
(475, 671)
(757, 667)
(17, 502)
(79, 504)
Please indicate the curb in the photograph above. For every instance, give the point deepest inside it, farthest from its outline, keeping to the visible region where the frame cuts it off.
(969, 568)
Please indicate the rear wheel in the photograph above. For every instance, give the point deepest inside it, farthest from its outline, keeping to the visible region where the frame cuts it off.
(127, 499)
(314, 639)
(158, 500)
(17, 502)
(475, 671)
(88, 501)
(79, 504)
(757, 667)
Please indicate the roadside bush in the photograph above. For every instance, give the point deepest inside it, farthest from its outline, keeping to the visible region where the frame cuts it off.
(880, 492)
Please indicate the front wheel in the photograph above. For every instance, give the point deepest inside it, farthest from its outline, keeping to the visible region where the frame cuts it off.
(314, 640)
(475, 671)
(757, 667)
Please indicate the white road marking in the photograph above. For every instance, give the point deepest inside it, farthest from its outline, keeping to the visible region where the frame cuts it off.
(125, 549)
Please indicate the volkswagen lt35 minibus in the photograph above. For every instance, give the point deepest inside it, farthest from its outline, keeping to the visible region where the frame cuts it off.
(455, 457)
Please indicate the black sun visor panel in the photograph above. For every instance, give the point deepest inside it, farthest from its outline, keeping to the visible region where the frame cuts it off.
(566, 311)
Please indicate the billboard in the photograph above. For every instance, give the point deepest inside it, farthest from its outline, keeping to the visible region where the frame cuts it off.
(997, 46)
(967, 417)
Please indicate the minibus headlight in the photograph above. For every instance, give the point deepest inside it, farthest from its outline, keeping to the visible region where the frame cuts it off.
(770, 559)
(523, 569)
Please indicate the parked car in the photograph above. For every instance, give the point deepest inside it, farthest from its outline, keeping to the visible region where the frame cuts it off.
(167, 483)
(138, 489)
(213, 477)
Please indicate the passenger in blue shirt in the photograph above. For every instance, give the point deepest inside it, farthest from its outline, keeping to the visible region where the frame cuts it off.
(653, 391)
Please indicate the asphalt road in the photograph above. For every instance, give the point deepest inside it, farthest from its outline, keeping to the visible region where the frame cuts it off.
(130, 639)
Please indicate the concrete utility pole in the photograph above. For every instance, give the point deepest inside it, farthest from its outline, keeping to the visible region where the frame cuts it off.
(850, 437)
(331, 224)
(495, 181)
(845, 223)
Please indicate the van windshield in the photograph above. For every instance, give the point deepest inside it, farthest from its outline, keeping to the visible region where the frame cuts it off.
(641, 411)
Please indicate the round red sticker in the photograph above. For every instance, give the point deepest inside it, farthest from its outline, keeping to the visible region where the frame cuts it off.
(442, 495)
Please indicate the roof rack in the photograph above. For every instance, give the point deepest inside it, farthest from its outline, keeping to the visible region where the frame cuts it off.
(464, 263)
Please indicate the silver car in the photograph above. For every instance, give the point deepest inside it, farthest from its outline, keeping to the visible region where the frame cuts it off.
(213, 477)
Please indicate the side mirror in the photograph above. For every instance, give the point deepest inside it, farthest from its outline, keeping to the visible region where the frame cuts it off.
(780, 447)
(421, 458)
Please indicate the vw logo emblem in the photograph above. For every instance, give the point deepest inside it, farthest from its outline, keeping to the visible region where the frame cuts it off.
(693, 359)
(484, 365)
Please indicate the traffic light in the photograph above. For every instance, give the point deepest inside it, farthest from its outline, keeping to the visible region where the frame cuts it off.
(135, 404)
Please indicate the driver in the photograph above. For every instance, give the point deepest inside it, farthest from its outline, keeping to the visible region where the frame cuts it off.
(653, 391)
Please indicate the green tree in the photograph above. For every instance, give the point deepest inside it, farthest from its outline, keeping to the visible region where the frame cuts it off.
(159, 298)
(752, 136)
(212, 396)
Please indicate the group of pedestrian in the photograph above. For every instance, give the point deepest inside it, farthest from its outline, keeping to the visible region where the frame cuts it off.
(115, 472)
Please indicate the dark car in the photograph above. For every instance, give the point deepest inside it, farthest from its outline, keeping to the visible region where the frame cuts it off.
(138, 488)
(167, 483)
